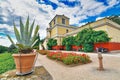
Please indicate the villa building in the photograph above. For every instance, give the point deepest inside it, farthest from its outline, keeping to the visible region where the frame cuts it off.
(59, 28)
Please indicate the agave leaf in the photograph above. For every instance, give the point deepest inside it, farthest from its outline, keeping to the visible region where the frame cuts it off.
(30, 32)
(35, 35)
(22, 30)
(24, 37)
(34, 42)
(21, 46)
(26, 30)
(17, 34)
(11, 40)
(36, 30)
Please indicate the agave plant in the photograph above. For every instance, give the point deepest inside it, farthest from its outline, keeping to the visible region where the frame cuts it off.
(25, 37)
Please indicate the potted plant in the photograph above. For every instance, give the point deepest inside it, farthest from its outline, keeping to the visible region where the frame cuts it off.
(26, 40)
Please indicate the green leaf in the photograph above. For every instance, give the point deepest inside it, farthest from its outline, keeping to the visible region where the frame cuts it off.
(34, 42)
(22, 30)
(30, 32)
(17, 35)
(11, 40)
(26, 30)
(35, 35)
(21, 46)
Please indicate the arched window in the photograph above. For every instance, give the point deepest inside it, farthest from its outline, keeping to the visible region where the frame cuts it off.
(67, 30)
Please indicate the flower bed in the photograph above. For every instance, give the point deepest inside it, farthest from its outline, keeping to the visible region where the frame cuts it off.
(69, 58)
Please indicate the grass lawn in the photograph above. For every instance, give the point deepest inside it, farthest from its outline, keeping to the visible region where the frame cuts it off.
(6, 62)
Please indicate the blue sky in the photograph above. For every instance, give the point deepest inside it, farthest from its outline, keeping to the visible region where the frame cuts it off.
(79, 11)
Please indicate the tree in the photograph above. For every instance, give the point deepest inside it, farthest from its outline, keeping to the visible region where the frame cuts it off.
(100, 36)
(68, 42)
(87, 37)
(36, 46)
(3, 49)
(12, 49)
(51, 42)
(115, 18)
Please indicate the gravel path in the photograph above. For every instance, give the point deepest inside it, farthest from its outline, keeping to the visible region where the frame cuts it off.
(89, 71)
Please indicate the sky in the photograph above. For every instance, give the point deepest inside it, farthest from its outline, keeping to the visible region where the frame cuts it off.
(79, 11)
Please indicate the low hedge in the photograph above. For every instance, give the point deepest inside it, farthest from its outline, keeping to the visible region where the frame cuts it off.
(43, 52)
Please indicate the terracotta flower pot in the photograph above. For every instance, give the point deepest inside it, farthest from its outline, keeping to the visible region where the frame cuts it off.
(24, 63)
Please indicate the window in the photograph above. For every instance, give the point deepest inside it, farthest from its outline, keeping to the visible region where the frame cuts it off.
(63, 21)
(54, 21)
(66, 30)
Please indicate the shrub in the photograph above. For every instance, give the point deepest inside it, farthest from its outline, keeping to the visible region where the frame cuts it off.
(43, 52)
(3, 49)
(68, 42)
(69, 58)
(88, 47)
(87, 37)
(51, 42)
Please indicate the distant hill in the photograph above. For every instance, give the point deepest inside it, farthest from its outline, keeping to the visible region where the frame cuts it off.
(115, 18)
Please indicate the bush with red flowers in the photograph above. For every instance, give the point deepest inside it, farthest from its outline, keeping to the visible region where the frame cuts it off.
(69, 58)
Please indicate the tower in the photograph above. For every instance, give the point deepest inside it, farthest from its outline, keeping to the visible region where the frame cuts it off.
(58, 27)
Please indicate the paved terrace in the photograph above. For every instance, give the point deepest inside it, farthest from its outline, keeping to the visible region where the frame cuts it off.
(89, 71)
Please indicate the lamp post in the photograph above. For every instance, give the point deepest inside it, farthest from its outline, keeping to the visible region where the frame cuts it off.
(100, 68)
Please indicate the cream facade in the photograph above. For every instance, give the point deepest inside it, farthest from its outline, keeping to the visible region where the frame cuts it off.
(59, 28)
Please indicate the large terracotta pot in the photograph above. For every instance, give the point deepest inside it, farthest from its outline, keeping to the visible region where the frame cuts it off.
(24, 63)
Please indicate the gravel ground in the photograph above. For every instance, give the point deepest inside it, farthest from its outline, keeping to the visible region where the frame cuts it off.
(111, 63)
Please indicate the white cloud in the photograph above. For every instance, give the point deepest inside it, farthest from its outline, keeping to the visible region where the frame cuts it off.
(112, 2)
(6, 27)
(99, 18)
(54, 1)
(5, 41)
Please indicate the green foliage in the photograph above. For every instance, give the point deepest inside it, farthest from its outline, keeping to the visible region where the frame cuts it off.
(51, 42)
(36, 46)
(25, 39)
(100, 36)
(88, 47)
(69, 58)
(3, 49)
(115, 18)
(41, 41)
(6, 62)
(68, 47)
(88, 36)
(12, 49)
(68, 42)
(85, 36)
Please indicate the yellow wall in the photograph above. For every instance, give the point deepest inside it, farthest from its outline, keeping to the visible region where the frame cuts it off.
(59, 41)
(53, 31)
(59, 20)
(52, 23)
(104, 28)
(114, 34)
(62, 30)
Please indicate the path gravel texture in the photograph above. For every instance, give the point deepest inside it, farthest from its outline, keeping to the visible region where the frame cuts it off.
(111, 63)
